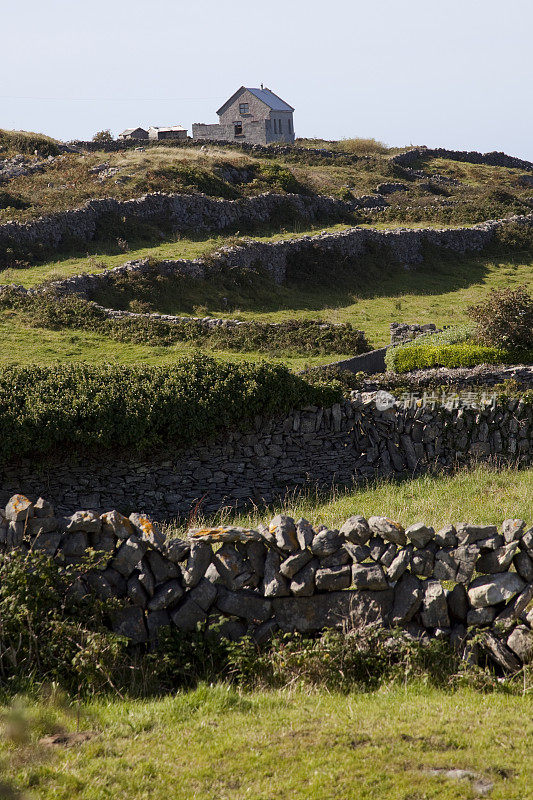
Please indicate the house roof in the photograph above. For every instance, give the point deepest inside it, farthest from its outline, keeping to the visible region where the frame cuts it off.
(130, 130)
(167, 128)
(265, 95)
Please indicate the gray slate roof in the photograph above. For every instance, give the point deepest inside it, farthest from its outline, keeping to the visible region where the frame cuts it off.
(271, 99)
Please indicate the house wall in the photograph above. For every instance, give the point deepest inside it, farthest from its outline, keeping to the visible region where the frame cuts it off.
(258, 110)
(282, 117)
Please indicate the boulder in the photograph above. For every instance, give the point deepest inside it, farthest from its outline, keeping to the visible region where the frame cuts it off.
(333, 578)
(304, 533)
(407, 599)
(369, 576)
(86, 521)
(166, 595)
(357, 552)
(326, 542)
(291, 565)
(515, 608)
(389, 555)
(377, 547)
(204, 594)
(513, 529)
(117, 525)
(480, 617)
(284, 530)
(466, 557)
(498, 560)
(129, 622)
(129, 555)
(197, 563)
(388, 529)
(434, 606)
(423, 563)
(136, 593)
(274, 583)
(303, 583)
(246, 605)
(521, 643)
(494, 589)
(500, 653)
(524, 566)
(42, 508)
(469, 534)
(356, 530)
(19, 508)
(188, 615)
(333, 610)
(445, 568)
(419, 534)
(177, 550)
(399, 565)
(224, 534)
(161, 569)
(147, 530)
(446, 537)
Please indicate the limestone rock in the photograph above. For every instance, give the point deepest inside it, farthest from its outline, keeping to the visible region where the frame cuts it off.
(494, 589)
(407, 599)
(458, 602)
(177, 550)
(500, 653)
(400, 564)
(19, 509)
(303, 583)
(246, 605)
(469, 534)
(513, 529)
(446, 537)
(161, 569)
(521, 643)
(274, 583)
(117, 525)
(304, 533)
(86, 521)
(326, 543)
(42, 508)
(199, 559)
(284, 529)
(497, 560)
(369, 576)
(332, 610)
(419, 534)
(524, 566)
(147, 530)
(480, 616)
(129, 555)
(166, 595)
(129, 622)
(388, 529)
(333, 578)
(356, 530)
(357, 552)
(291, 565)
(434, 606)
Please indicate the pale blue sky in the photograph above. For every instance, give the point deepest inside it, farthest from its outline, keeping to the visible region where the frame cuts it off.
(454, 73)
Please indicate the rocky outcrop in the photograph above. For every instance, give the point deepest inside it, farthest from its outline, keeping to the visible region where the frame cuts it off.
(291, 576)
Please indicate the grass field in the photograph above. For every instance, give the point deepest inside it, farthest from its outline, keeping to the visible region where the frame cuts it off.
(482, 494)
(215, 743)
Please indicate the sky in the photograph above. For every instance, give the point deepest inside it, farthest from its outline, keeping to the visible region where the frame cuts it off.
(448, 73)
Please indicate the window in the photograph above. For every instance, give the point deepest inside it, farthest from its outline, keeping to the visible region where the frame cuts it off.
(238, 129)
(280, 126)
(244, 109)
(290, 125)
(275, 126)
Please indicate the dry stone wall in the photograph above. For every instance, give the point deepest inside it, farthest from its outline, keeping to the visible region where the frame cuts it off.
(494, 159)
(460, 581)
(310, 447)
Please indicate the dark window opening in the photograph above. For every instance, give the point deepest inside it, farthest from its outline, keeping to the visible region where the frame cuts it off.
(238, 129)
(244, 108)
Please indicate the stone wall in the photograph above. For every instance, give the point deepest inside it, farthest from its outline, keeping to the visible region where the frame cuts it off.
(495, 159)
(402, 332)
(285, 259)
(291, 576)
(368, 435)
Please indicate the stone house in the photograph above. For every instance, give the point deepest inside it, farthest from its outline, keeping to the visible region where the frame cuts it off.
(167, 132)
(257, 116)
(133, 133)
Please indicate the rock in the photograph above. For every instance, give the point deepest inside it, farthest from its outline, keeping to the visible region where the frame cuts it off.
(521, 643)
(304, 533)
(284, 529)
(204, 594)
(117, 525)
(100, 586)
(129, 622)
(333, 578)
(199, 559)
(333, 610)
(161, 569)
(303, 583)
(146, 578)
(494, 589)
(14, 534)
(446, 537)
(232, 568)
(338, 559)
(136, 593)
(466, 557)
(369, 576)
(188, 616)
(147, 530)
(102, 543)
(264, 632)
(42, 509)
(357, 552)
(388, 529)
(389, 555)
(155, 621)
(256, 554)
(513, 529)
(498, 560)
(86, 521)
(248, 606)
(434, 606)
(458, 602)
(515, 608)
(376, 547)
(326, 543)
(229, 628)
(423, 563)
(177, 550)
(446, 567)
(19, 509)
(491, 544)
(356, 530)
(47, 543)
(129, 555)
(274, 583)
(526, 542)
(419, 534)
(399, 564)
(469, 534)
(295, 562)
(407, 599)
(116, 581)
(166, 595)
(73, 546)
(480, 616)
(524, 566)
(222, 533)
(500, 653)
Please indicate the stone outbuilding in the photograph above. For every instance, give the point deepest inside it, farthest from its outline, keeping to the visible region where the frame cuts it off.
(256, 116)
(133, 133)
(167, 132)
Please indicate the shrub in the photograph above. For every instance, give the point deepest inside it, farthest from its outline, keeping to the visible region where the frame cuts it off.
(103, 136)
(27, 143)
(515, 236)
(505, 319)
(408, 357)
(110, 407)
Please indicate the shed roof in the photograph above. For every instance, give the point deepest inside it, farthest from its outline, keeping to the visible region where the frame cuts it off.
(131, 130)
(167, 128)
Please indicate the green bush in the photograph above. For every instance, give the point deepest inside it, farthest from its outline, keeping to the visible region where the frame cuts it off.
(26, 142)
(407, 357)
(505, 319)
(111, 407)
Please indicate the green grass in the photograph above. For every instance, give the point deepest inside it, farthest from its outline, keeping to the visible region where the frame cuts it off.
(215, 742)
(20, 344)
(480, 494)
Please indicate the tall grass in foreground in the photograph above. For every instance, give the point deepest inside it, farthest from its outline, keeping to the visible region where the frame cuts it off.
(482, 494)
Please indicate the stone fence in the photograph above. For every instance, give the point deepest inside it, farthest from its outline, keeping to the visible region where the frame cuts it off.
(288, 258)
(495, 159)
(370, 435)
(460, 581)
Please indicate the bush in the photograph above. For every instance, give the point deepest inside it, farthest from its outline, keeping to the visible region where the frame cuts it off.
(110, 407)
(408, 357)
(28, 143)
(514, 236)
(103, 136)
(505, 319)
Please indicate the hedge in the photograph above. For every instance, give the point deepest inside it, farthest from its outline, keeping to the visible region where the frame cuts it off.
(43, 409)
(409, 357)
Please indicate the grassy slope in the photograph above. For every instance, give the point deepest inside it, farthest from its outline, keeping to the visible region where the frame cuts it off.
(215, 743)
(482, 494)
